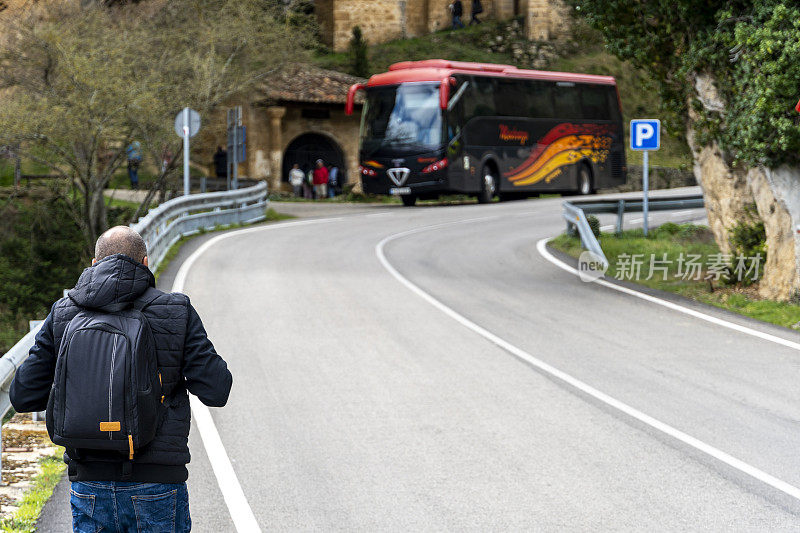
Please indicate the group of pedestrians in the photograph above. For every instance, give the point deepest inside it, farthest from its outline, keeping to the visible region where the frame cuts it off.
(315, 184)
(457, 11)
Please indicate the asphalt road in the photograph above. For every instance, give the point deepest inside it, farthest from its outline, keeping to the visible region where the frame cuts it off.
(359, 405)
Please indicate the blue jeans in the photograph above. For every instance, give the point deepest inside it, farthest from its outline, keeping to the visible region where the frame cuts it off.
(118, 506)
(457, 22)
(133, 175)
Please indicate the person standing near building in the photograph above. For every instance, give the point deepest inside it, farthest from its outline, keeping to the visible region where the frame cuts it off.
(126, 434)
(296, 178)
(457, 11)
(133, 154)
(477, 9)
(333, 181)
(221, 163)
(320, 180)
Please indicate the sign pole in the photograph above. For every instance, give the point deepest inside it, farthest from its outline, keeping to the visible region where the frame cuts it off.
(235, 169)
(186, 184)
(645, 187)
(645, 136)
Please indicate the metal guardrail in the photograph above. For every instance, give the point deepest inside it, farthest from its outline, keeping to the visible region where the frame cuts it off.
(160, 228)
(575, 214)
(186, 215)
(635, 205)
(576, 218)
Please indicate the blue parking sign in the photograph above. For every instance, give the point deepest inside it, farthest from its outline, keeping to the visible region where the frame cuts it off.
(645, 134)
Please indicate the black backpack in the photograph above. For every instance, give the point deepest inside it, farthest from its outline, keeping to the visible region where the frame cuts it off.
(106, 392)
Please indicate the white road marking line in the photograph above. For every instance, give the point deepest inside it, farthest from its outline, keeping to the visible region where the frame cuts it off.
(607, 228)
(752, 471)
(541, 246)
(376, 215)
(681, 213)
(697, 444)
(241, 514)
(636, 221)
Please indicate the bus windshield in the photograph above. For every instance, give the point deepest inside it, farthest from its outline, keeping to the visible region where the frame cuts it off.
(403, 117)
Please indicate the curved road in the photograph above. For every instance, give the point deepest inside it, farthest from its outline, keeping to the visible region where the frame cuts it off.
(360, 405)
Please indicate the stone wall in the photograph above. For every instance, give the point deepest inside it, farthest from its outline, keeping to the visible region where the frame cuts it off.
(270, 130)
(380, 20)
(658, 178)
(384, 20)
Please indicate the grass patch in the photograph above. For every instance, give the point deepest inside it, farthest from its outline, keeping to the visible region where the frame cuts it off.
(274, 216)
(31, 505)
(271, 216)
(674, 240)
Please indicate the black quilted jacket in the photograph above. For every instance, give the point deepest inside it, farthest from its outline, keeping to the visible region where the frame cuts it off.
(187, 361)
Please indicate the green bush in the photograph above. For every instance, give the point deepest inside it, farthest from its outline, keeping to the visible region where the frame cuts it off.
(359, 63)
(748, 240)
(594, 224)
(41, 254)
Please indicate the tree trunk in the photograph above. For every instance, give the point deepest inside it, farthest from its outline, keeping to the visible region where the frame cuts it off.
(96, 219)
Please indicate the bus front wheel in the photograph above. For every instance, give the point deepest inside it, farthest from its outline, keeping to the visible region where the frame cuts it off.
(409, 199)
(488, 186)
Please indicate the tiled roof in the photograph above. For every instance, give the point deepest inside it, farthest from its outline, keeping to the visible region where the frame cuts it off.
(305, 83)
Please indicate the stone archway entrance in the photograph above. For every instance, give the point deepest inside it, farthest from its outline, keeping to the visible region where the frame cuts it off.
(307, 148)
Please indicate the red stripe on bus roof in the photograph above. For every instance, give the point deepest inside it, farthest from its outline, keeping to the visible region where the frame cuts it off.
(439, 69)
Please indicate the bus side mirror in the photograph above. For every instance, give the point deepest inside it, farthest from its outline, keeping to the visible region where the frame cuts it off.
(351, 97)
(444, 92)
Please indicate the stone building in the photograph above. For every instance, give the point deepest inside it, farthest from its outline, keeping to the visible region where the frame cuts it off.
(298, 117)
(385, 20)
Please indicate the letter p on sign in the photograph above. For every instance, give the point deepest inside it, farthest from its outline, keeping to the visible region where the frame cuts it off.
(645, 134)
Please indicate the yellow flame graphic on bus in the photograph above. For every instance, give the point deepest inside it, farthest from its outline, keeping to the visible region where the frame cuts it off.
(564, 151)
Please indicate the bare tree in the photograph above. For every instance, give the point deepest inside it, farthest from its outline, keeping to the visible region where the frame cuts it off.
(79, 81)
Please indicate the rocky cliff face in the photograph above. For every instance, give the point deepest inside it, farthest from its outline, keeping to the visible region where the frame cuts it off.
(777, 197)
(726, 190)
(731, 191)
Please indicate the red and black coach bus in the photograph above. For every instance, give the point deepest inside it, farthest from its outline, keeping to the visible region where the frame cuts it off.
(440, 127)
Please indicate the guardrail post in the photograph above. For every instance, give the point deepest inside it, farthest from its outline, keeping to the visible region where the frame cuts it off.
(620, 215)
(202, 184)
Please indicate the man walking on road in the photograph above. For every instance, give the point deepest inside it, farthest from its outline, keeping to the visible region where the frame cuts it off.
(120, 358)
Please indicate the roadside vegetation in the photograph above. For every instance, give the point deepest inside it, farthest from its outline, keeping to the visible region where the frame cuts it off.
(26, 516)
(42, 252)
(673, 241)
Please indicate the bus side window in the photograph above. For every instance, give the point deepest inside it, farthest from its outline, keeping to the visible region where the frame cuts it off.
(567, 101)
(613, 103)
(540, 99)
(480, 101)
(594, 102)
(511, 98)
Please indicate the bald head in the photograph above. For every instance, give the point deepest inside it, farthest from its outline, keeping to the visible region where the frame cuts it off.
(120, 240)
